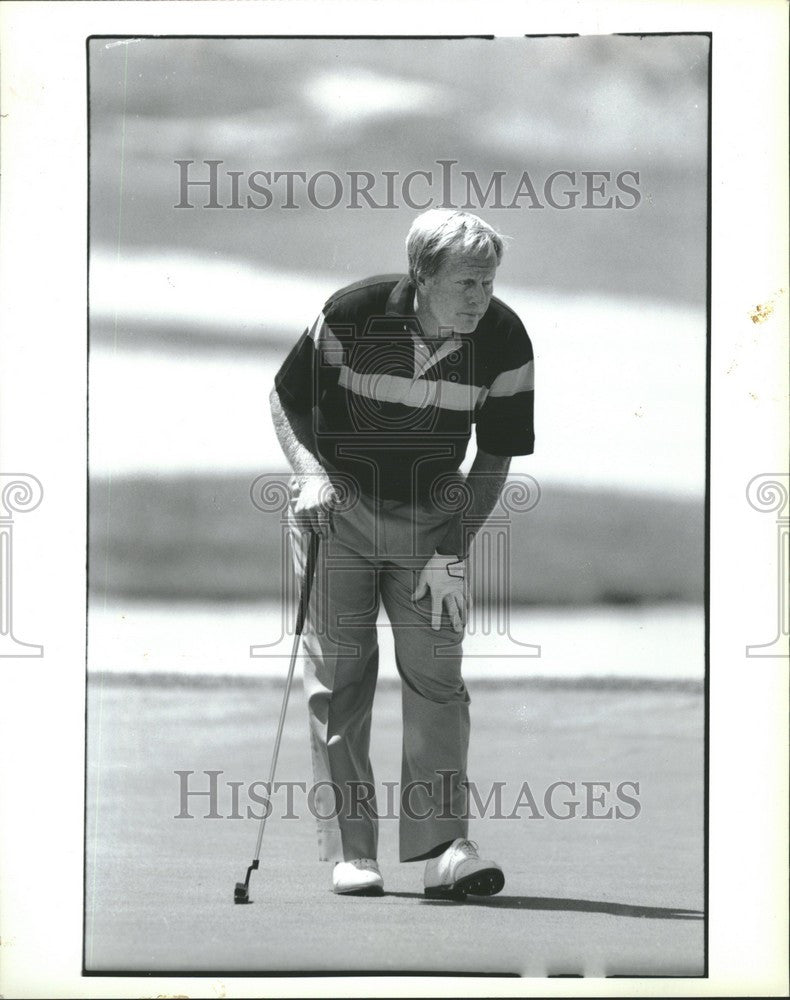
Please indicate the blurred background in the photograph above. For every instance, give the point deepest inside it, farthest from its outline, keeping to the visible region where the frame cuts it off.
(193, 310)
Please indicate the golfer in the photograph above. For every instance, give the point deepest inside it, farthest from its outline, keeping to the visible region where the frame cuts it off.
(374, 408)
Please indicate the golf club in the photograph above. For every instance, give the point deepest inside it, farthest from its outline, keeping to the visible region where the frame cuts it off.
(242, 891)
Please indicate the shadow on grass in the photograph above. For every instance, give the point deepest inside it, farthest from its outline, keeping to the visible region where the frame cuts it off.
(572, 905)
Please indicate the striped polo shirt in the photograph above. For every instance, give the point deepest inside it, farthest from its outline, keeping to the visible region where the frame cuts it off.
(396, 411)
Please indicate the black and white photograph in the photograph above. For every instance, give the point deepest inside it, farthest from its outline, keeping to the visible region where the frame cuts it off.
(412, 331)
(377, 616)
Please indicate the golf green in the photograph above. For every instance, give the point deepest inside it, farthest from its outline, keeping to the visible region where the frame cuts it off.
(584, 894)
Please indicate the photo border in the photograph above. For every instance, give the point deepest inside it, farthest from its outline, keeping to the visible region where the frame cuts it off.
(747, 901)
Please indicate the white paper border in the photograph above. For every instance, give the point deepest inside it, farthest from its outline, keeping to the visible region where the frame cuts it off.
(43, 364)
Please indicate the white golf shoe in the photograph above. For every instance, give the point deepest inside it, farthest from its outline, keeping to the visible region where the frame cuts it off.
(459, 871)
(360, 877)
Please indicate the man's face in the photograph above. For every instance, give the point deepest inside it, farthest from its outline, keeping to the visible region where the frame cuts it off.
(458, 294)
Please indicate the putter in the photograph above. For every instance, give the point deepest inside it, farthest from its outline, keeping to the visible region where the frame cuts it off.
(241, 893)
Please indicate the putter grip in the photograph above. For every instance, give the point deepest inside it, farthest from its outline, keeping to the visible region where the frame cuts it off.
(307, 582)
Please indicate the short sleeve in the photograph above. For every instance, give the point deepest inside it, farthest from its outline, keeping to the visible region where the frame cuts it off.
(311, 367)
(505, 420)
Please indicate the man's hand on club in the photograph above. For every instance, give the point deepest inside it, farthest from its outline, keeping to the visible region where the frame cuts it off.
(445, 577)
(314, 506)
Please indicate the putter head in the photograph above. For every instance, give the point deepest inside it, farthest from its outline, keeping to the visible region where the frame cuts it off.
(241, 894)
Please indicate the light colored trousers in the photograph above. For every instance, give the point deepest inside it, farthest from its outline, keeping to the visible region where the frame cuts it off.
(375, 555)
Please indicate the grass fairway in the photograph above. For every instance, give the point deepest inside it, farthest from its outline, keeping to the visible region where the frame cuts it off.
(200, 538)
(584, 896)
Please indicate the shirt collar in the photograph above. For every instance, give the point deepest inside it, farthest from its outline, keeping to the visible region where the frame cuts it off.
(401, 303)
(401, 298)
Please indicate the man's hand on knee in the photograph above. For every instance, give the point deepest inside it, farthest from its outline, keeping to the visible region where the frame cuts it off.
(445, 577)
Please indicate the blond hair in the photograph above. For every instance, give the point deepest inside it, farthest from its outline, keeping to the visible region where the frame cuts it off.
(439, 230)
